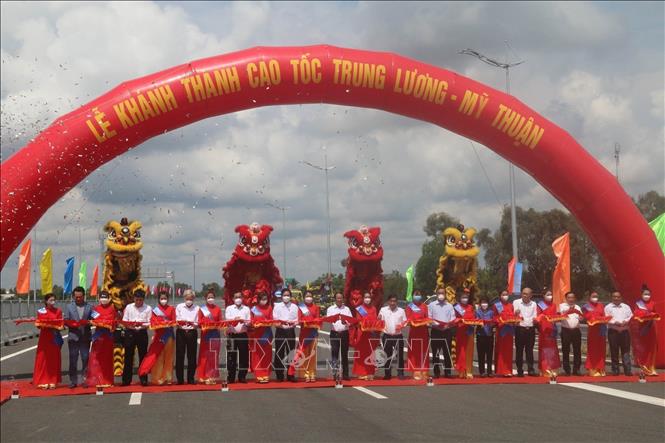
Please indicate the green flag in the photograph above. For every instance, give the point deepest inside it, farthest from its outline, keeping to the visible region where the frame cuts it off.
(658, 226)
(83, 275)
(409, 283)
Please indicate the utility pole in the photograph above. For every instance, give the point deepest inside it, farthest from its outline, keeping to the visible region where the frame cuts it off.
(511, 169)
(325, 168)
(617, 153)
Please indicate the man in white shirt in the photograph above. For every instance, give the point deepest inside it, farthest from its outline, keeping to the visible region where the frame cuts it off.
(441, 336)
(186, 315)
(237, 346)
(135, 336)
(618, 333)
(285, 335)
(571, 334)
(525, 332)
(392, 340)
(339, 336)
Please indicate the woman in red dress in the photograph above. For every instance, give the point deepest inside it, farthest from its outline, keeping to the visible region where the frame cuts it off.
(364, 342)
(46, 374)
(548, 352)
(418, 341)
(503, 348)
(207, 368)
(260, 348)
(596, 340)
(100, 364)
(464, 337)
(643, 333)
(304, 362)
(159, 359)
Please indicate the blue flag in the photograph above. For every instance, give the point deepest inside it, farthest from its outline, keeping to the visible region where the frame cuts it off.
(69, 275)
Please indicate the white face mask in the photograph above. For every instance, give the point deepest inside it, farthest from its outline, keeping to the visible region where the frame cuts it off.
(51, 302)
(286, 298)
(464, 300)
(163, 302)
(104, 301)
(368, 301)
(594, 299)
(505, 297)
(189, 303)
(484, 305)
(548, 298)
(211, 301)
(309, 300)
(646, 297)
(238, 301)
(441, 297)
(263, 302)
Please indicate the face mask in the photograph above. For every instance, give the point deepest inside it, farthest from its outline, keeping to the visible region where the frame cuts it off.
(368, 301)
(189, 303)
(646, 297)
(464, 301)
(238, 301)
(211, 301)
(51, 302)
(594, 299)
(309, 300)
(548, 298)
(286, 299)
(505, 297)
(441, 297)
(104, 301)
(484, 305)
(263, 302)
(163, 302)
(417, 298)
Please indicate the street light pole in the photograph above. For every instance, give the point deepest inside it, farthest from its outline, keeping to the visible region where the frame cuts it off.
(283, 209)
(511, 169)
(325, 169)
(194, 284)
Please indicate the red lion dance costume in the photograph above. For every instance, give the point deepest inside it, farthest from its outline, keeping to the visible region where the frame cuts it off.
(363, 267)
(251, 269)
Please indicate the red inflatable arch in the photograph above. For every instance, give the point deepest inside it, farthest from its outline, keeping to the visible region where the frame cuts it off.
(36, 176)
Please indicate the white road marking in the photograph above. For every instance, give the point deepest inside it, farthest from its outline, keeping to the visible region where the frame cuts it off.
(6, 357)
(618, 393)
(135, 399)
(368, 392)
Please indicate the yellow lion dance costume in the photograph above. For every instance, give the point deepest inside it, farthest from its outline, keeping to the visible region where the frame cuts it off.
(122, 271)
(458, 266)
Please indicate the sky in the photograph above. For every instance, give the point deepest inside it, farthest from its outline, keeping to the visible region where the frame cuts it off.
(595, 69)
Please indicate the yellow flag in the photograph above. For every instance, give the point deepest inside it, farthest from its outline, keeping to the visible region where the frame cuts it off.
(46, 271)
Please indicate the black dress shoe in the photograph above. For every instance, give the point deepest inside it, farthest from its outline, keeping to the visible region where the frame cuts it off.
(567, 373)
(532, 373)
(483, 375)
(144, 383)
(520, 374)
(490, 375)
(243, 381)
(72, 385)
(291, 378)
(387, 377)
(125, 384)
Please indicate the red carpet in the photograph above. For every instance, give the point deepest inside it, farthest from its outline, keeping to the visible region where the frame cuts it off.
(26, 389)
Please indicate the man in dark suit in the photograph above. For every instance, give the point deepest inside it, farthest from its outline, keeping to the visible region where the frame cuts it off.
(78, 313)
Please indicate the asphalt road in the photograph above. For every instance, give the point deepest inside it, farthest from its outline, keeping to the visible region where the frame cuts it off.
(442, 413)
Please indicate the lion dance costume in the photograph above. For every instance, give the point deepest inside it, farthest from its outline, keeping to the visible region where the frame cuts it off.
(122, 271)
(458, 271)
(251, 269)
(363, 267)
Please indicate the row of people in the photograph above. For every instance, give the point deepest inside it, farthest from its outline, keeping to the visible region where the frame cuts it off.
(250, 339)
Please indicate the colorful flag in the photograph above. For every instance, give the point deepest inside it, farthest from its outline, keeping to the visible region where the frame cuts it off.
(561, 274)
(658, 227)
(83, 275)
(69, 276)
(46, 272)
(409, 283)
(514, 277)
(95, 277)
(23, 278)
